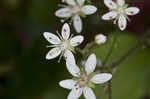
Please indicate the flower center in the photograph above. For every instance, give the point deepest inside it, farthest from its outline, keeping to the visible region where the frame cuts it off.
(65, 45)
(121, 10)
(83, 80)
(75, 9)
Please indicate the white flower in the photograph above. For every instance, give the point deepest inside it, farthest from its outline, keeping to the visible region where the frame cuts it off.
(100, 39)
(84, 79)
(119, 11)
(99, 63)
(74, 10)
(62, 43)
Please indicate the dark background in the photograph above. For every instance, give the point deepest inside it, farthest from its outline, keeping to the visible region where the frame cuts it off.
(24, 72)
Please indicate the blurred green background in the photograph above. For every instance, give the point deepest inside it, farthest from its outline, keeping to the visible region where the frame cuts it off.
(24, 72)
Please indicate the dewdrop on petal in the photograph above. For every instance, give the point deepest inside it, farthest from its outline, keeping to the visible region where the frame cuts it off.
(100, 39)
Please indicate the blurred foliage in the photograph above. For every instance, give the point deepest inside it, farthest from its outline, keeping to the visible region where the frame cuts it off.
(24, 72)
(131, 80)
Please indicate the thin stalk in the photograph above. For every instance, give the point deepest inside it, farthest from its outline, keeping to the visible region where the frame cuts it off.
(110, 90)
(125, 56)
(116, 63)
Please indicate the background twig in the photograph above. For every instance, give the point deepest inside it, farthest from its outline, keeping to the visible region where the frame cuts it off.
(109, 90)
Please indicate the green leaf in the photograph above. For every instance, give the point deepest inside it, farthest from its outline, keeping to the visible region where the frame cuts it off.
(91, 85)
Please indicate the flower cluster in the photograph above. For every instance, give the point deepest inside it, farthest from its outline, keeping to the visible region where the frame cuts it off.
(84, 78)
(119, 11)
(75, 9)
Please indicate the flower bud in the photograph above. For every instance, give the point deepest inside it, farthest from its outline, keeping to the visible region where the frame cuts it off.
(100, 39)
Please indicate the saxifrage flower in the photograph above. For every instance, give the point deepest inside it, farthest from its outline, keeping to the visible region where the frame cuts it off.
(119, 11)
(63, 43)
(84, 79)
(74, 10)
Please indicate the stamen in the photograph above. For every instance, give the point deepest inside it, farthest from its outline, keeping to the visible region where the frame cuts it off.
(115, 21)
(50, 46)
(59, 35)
(62, 21)
(73, 51)
(128, 19)
(71, 37)
(70, 23)
(60, 57)
(62, 1)
(71, 20)
(61, 5)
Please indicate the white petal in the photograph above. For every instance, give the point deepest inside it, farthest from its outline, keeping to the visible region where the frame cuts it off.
(69, 57)
(70, 2)
(132, 11)
(110, 4)
(73, 69)
(53, 39)
(120, 2)
(88, 9)
(88, 93)
(77, 40)
(63, 13)
(101, 78)
(109, 16)
(53, 53)
(71, 64)
(75, 93)
(80, 2)
(65, 31)
(77, 23)
(68, 84)
(122, 22)
(90, 64)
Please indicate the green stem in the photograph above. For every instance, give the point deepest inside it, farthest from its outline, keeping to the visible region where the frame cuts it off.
(110, 90)
(86, 49)
(114, 64)
(125, 56)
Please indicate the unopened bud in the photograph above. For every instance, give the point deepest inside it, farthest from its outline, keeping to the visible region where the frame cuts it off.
(100, 39)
